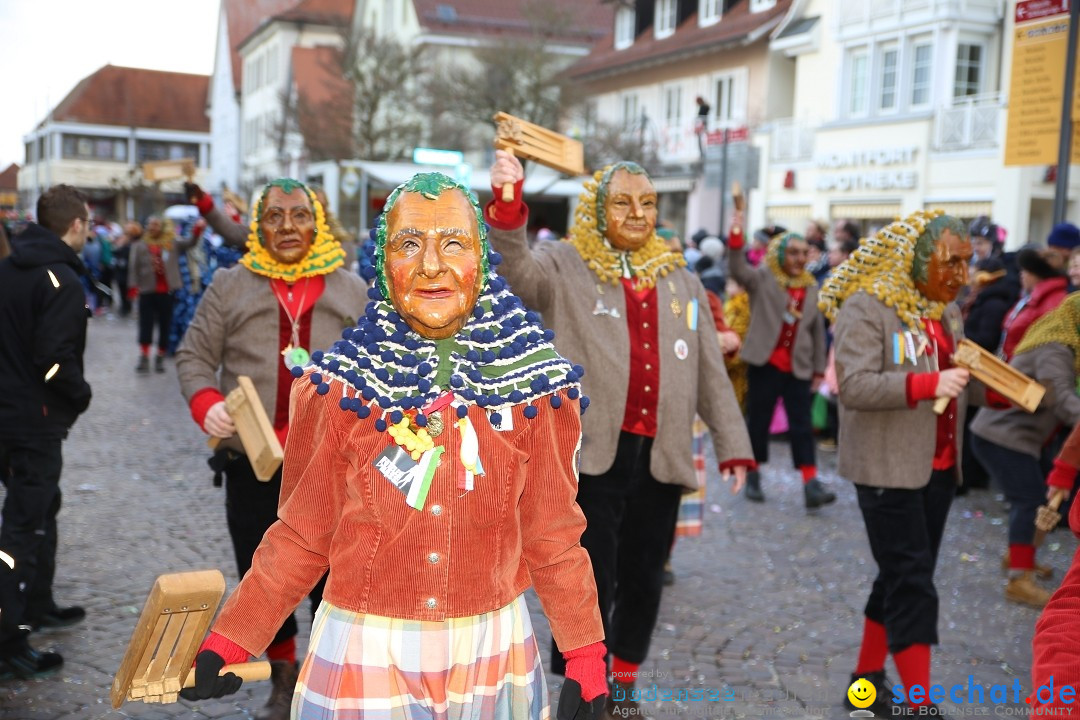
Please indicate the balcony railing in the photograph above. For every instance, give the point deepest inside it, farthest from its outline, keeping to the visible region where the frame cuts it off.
(969, 123)
(792, 140)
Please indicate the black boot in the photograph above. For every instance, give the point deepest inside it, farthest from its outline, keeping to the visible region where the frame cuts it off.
(159, 364)
(816, 495)
(283, 676)
(144, 364)
(753, 487)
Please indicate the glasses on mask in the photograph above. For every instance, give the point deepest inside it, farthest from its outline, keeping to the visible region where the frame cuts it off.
(276, 218)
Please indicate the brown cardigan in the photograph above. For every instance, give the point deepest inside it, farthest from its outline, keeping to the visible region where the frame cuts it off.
(768, 303)
(1016, 429)
(463, 554)
(556, 282)
(883, 442)
(141, 267)
(236, 328)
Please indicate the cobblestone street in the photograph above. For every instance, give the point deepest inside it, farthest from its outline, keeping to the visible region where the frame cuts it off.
(766, 608)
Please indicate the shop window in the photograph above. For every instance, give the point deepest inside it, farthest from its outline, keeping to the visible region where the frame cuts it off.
(673, 105)
(890, 79)
(624, 27)
(709, 12)
(666, 17)
(921, 75)
(149, 150)
(84, 147)
(969, 60)
(859, 75)
(630, 111)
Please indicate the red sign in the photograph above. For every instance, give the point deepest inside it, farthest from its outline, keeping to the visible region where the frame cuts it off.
(1028, 10)
(739, 134)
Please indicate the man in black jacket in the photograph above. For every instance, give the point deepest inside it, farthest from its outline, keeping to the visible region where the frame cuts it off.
(42, 391)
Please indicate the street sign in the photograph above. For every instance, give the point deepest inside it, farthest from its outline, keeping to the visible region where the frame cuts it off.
(1038, 79)
(434, 156)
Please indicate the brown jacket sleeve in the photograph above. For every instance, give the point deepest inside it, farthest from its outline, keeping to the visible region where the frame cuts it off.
(529, 276)
(860, 341)
(551, 527)
(234, 234)
(744, 274)
(294, 552)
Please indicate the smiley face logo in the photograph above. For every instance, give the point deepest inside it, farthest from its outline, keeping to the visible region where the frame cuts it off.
(862, 693)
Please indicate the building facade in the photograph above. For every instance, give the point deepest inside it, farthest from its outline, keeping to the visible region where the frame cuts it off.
(898, 105)
(645, 80)
(102, 132)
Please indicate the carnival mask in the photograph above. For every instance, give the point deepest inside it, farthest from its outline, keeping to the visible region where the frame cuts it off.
(947, 268)
(432, 261)
(629, 210)
(287, 224)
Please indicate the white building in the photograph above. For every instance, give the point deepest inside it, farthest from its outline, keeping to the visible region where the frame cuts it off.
(645, 77)
(113, 121)
(237, 19)
(898, 105)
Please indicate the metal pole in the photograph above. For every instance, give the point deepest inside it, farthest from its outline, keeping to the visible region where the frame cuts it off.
(1061, 190)
(723, 184)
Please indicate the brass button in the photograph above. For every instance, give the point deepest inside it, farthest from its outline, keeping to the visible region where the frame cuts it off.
(644, 411)
(433, 558)
(432, 603)
(648, 366)
(436, 510)
(648, 388)
(645, 325)
(646, 346)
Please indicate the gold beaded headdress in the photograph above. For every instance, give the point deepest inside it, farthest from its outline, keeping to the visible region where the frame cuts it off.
(610, 265)
(885, 266)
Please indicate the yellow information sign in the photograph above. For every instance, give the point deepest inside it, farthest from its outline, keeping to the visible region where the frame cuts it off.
(1036, 92)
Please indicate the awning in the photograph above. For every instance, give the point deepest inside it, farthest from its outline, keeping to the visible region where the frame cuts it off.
(865, 211)
(539, 181)
(788, 212)
(965, 210)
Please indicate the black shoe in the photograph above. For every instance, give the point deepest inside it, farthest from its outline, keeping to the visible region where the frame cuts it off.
(883, 705)
(144, 365)
(19, 660)
(159, 364)
(58, 618)
(753, 487)
(816, 495)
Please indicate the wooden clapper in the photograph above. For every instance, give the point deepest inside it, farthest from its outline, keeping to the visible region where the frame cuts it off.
(532, 142)
(173, 623)
(986, 367)
(253, 426)
(158, 170)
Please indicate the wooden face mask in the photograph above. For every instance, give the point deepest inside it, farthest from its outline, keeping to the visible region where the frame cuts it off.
(433, 261)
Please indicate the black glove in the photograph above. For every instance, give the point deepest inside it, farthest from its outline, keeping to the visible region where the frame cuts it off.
(573, 707)
(207, 682)
(193, 192)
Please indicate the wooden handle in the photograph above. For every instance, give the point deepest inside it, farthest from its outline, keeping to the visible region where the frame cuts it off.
(737, 196)
(508, 192)
(1056, 500)
(940, 404)
(213, 441)
(248, 672)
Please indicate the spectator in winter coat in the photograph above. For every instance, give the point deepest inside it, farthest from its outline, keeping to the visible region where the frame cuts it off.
(988, 304)
(1043, 286)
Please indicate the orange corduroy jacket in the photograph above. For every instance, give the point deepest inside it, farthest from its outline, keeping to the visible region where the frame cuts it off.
(463, 554)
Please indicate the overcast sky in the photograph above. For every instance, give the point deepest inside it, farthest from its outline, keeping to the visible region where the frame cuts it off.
(48, 46)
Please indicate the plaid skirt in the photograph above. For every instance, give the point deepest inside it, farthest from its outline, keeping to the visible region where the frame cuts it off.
(368, 667)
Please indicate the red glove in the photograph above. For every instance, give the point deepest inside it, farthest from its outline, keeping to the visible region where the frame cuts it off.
(507, 215)
(736, 239)
(586, 667)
